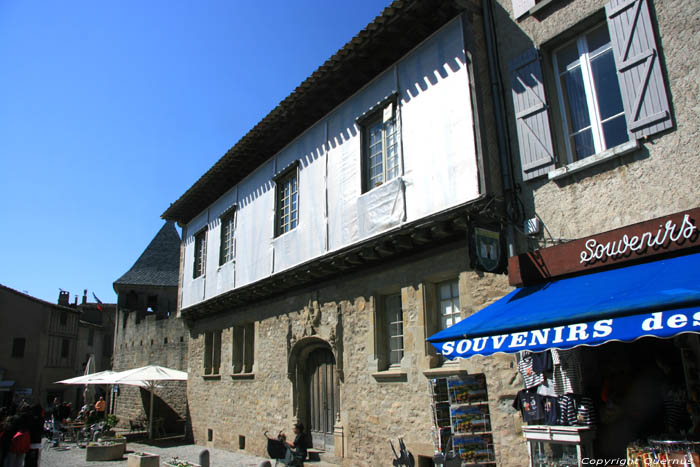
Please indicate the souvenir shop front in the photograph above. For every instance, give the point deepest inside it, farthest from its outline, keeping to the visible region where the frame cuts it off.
(605, 332)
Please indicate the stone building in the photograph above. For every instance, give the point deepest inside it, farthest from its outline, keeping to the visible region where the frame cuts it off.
(601, 129)
(323, 249)
(38, 346)
(148, 332)
(343, 230)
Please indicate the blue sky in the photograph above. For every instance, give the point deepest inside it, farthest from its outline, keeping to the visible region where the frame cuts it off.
(110, 110)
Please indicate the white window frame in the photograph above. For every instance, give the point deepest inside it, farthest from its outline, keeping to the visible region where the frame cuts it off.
(287, 222)
(227, 251)
(453, 299)
(200, 254)
(385, 117)
(389, 319)
(584, 61)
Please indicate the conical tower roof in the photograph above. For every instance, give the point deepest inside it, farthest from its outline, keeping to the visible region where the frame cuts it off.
(159, 264)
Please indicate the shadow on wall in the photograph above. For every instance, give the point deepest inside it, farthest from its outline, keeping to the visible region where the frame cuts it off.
(423, 77)
(172, 422)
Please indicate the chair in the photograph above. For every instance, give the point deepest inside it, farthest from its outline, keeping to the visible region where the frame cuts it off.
(159, 426)
(136, 425)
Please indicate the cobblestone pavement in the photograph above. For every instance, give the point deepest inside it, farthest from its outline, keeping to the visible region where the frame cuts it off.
(74, 456)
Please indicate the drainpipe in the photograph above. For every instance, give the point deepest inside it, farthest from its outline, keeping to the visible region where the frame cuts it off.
(504, 152)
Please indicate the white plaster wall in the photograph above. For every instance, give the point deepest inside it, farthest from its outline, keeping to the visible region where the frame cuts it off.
(344, 160)
(192, 289)
(255, 225)
(437, 126)
(438, 150)
(308, 239)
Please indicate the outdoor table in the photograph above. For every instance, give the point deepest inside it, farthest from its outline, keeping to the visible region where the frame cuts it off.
(74, 429)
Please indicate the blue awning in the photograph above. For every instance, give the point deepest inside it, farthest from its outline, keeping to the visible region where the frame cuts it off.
(661, 299)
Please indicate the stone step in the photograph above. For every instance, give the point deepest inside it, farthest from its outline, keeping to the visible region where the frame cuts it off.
(320, 458)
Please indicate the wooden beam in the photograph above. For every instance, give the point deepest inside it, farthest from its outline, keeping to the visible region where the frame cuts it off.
(384, 249)
(421, 237)
(369, 254)
(403, 243)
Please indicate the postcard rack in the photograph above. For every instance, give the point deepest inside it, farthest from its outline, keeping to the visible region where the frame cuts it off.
(461, 422)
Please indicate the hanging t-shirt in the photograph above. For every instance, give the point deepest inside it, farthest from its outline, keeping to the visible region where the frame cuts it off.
(542, 361)
(530, 404)
(550, 407)
(567, 371)
(567, 411)
(585, 411)
(525, 366)
(547, 388)
(577, 410)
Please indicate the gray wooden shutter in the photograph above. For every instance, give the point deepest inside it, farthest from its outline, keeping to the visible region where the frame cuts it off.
(531, 119)
(638, 67)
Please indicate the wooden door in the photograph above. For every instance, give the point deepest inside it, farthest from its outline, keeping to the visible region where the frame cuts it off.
(322, 397)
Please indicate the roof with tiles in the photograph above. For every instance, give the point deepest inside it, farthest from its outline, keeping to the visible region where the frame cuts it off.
(159, 264)
(401, 26)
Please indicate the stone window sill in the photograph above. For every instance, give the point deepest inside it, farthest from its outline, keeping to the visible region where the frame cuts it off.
(390, 376)
(211, 377)
(593, 160)
(242, 376)
(445, 370)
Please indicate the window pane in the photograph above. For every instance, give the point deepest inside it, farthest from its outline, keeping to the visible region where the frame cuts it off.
(606, 85)
(583, 144)
(445, 290)
(598, 40)
(448, 321)
(568, 57)
(615, 131)
(375, 134)
(575, 96)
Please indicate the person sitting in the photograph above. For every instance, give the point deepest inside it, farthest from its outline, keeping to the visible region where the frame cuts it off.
(297, 449)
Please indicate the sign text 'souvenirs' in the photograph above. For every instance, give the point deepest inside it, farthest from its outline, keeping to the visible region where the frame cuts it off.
(667, 233)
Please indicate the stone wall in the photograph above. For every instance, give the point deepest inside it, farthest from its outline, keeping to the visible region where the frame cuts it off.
(151, 341)
(375, 406)
(658, 179)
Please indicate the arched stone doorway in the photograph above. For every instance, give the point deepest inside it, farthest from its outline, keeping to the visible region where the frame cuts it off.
(316, 393)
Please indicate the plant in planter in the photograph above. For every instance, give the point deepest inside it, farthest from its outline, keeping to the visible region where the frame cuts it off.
(110, 422)
(104, 451)
(177, 462)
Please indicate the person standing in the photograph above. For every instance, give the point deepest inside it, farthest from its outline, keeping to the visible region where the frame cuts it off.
(56, 413)
(100, 407)
(36, 428)
(20, 442)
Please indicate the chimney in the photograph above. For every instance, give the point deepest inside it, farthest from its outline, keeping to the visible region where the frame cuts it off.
(63, 298)
(84, 296)
(75, 302)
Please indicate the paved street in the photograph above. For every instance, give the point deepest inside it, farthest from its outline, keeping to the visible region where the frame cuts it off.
(75, 456)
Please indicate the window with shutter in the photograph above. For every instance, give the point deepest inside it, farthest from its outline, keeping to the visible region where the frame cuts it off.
(532, 120)
(638, 67)
(589, 95)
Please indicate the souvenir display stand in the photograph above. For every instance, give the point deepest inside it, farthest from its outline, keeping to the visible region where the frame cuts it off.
(461, 423)
(560, 446)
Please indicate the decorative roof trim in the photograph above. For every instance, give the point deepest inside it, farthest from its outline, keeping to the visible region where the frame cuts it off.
(372, 111)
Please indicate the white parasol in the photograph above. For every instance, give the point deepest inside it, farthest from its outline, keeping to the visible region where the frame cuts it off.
(149, 375)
